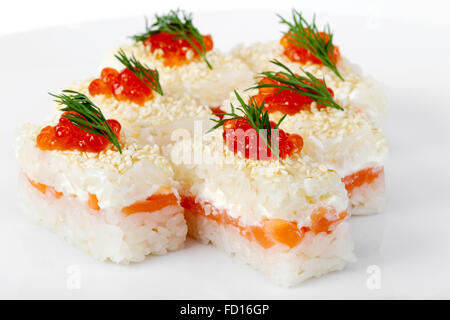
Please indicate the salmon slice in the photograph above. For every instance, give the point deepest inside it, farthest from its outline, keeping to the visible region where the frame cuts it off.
(44, 188)
(270, 231)
(153, 203)
(365, 176)
(93, 202)
(283, 231)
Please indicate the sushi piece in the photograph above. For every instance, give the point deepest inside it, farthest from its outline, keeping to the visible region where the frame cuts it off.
(186, 60)
(85, 180)
(338, 137)
(134, 95)
(277, 211)
(303, 47)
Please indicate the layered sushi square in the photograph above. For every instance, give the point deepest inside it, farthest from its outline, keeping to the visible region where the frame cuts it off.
(285, 216)
(272, 182)
(186, 59)
(338, 137)
(348, 144)
(117, 202)
(135, 96)
(304, 48)
(154, 121)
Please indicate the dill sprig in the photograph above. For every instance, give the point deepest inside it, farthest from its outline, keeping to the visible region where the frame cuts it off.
(87, 116)
(178, 23)
(309, 86)
(141, 71)
(307, 35)
(256, 116)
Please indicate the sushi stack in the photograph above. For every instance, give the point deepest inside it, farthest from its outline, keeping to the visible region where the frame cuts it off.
(345, 141)
(264, 152)
(285, 217)
(99, 201)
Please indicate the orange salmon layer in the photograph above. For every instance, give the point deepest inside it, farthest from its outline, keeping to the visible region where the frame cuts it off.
(153, 203)
(365, 176)
(270, 231)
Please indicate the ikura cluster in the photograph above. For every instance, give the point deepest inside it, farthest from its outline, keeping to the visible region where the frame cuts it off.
(286, 101)
(124, 86)
(175, 49)
(298, 54)
(250, 144)
(66, 136)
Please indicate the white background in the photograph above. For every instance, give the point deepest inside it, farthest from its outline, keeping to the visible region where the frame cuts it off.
(404, 44)
(23, 15)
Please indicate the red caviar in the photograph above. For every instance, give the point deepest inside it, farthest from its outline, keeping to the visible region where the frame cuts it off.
(248, 142)
(303, 55)
(124, 86)
(175, 49)
(66, 136)
(286, 101)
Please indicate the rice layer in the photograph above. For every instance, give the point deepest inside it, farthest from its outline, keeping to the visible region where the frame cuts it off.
(289, 189)
(368, 198)
(314, 256)
(106, 234)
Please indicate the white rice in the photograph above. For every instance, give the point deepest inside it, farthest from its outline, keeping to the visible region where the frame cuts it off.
(315, 256)
(251, 190)
(368, 198)
(107, 234)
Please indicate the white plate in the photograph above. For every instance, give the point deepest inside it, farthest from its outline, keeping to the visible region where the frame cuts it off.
(409, 244)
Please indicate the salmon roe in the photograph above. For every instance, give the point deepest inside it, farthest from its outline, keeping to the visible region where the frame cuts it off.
(303, 55)
(175, 49)
(66, 136)
(248, 142)
(124, 86)
(286, 101)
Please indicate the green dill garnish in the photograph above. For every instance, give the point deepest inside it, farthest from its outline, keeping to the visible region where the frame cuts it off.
(141, 71)
(178, 23)
(308, 86)
(87, 116)
(256, 116)
(307, 35)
